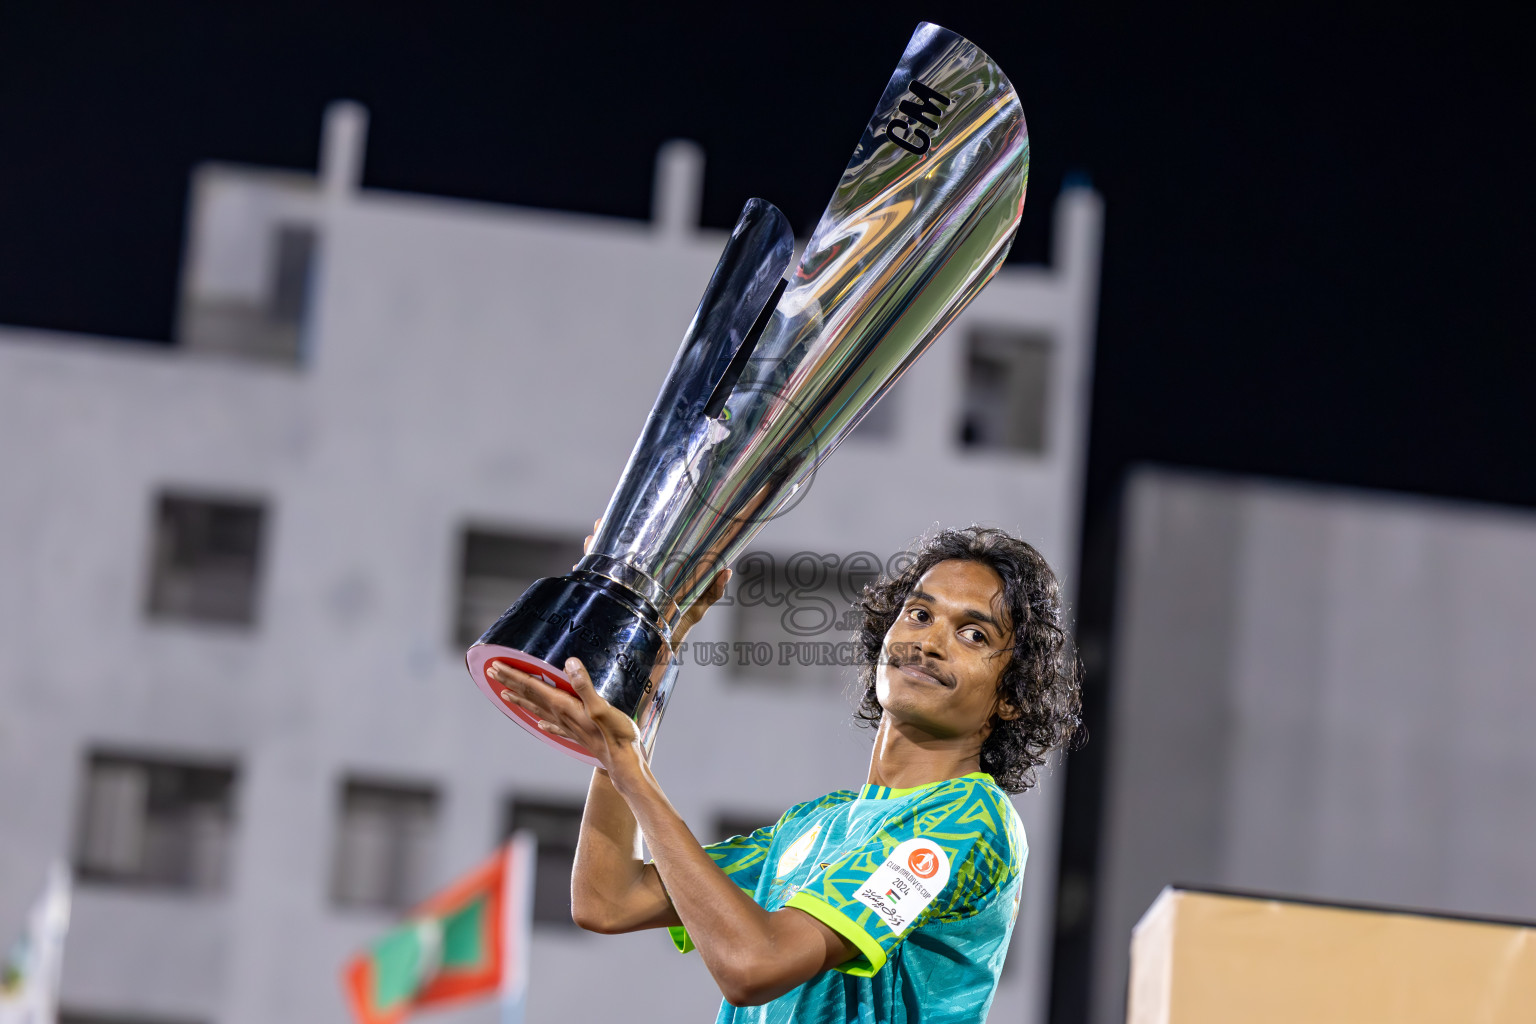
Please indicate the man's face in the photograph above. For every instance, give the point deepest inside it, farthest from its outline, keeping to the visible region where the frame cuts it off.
(946, 651)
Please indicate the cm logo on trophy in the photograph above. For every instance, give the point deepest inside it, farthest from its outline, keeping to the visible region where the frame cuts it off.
(926, 113)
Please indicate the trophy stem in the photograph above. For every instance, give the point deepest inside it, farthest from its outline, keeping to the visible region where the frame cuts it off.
(639, 582)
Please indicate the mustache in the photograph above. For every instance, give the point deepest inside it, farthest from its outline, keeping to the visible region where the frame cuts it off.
(902, 655)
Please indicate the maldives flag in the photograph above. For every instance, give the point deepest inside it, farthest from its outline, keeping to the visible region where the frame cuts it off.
(469, 940)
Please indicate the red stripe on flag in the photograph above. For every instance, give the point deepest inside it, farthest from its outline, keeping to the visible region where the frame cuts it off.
(451, 984)
(485, 977)
(358, 982)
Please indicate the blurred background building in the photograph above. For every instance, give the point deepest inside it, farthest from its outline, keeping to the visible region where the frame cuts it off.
(240, 574)
(1319, 692)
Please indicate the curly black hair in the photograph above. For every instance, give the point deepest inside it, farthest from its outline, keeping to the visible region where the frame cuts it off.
(1043, 678)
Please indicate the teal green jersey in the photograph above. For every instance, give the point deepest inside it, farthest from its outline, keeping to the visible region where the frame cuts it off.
(923, 882)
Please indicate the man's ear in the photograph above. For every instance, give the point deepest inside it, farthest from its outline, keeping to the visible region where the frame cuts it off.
(1007, 710)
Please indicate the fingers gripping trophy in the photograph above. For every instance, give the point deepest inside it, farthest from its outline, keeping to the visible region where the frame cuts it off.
(772, 373)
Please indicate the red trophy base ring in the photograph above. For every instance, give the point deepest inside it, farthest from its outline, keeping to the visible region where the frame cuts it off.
(480, 658)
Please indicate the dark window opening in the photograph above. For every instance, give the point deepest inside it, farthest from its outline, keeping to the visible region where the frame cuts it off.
(206, 560)
(156, 823)
(293, 257)
(1007, 380)
(556, 825)
(267, 320)
(384, 845)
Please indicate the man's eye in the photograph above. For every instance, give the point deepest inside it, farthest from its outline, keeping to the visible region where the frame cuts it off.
(977, 636)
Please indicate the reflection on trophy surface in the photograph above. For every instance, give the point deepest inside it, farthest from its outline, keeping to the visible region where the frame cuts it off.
(773, 373)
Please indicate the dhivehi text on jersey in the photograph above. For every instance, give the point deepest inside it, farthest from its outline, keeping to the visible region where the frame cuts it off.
(912, 877)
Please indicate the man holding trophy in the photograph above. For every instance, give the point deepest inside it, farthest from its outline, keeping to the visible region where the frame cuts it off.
(894, 902)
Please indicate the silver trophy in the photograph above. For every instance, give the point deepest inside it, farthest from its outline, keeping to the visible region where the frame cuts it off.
(773, 373)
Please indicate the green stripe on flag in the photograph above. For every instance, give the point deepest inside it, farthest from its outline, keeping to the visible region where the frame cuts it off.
(464, 935)
(396, 964)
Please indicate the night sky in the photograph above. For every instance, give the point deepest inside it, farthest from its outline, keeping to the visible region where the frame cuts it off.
(1318, 235)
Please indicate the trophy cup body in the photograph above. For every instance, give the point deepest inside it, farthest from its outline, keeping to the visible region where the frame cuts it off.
(772, 374)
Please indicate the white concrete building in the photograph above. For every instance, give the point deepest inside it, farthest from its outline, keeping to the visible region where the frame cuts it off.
(231, 690)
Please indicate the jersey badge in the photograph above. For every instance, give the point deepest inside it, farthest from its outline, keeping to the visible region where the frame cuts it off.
(910, 879)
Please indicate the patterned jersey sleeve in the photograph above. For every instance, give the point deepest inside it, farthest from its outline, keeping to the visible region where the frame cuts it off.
(741, 858)
(938, 859)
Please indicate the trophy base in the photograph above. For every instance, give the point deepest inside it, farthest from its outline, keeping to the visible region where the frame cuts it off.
(614, 633)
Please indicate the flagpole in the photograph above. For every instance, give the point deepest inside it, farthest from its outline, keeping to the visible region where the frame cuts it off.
(517, 924)
(32, 993)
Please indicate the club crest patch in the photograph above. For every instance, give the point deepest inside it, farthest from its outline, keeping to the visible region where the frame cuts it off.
(798, 850)
(910, 879)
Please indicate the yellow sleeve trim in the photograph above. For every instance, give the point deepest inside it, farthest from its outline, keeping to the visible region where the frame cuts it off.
(681, 939)
(860, 966)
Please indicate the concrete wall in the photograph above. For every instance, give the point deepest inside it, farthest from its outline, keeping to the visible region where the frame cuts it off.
(462, 363)
(1319, 693)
